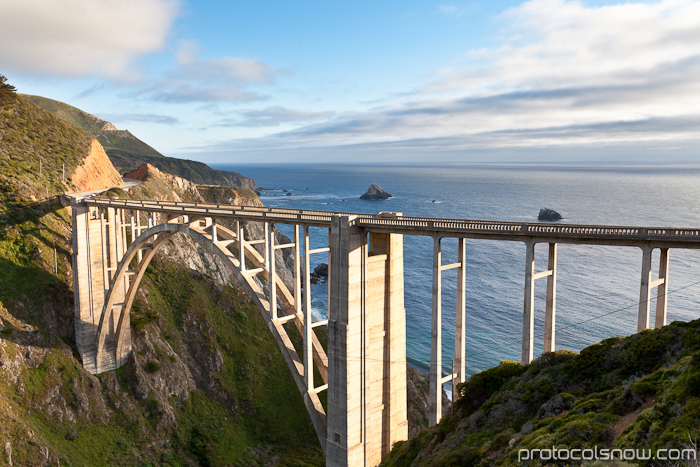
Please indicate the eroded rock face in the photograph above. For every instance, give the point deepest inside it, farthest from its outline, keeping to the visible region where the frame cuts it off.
(96, 171)
(375, 192)
(547, 214)
(418, 399)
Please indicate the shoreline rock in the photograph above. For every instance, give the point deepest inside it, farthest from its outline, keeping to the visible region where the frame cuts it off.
(375, 192)
(547, 214)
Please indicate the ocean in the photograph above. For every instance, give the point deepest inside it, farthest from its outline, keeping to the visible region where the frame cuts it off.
(597, 286)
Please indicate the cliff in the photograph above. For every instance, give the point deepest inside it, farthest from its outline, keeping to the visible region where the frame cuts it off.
(35, 146)
(95, 172)
(127, 152)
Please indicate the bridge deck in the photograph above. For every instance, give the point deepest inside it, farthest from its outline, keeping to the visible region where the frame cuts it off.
(671, 237)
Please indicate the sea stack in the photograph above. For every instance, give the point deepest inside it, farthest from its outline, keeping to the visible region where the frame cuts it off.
(547, 214)
(375, 192)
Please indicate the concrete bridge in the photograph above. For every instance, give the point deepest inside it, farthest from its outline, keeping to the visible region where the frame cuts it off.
(364, 367)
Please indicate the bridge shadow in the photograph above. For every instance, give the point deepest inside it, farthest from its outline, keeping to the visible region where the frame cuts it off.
(36, 306)
(38, 220)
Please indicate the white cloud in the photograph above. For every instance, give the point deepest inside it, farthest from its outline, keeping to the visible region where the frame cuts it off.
(219, 79)
(71, 38)
(222, 69)
(557, 43)
(450, 10)
(562, 73)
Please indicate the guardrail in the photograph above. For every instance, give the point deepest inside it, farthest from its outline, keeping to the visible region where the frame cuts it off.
(411, 225)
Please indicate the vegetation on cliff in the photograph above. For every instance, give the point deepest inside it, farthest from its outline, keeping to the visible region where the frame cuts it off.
(641, 391)
(34, 146)
(7, 92)
(128, 152)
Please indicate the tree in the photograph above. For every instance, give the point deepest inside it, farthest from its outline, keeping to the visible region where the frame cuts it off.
(7, 91)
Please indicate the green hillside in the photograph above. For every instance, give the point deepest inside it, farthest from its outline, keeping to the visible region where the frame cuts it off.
(127, 152)
(638, 392)
(34, 146)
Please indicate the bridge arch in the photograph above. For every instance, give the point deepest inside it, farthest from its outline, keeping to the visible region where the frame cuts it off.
(154, 238)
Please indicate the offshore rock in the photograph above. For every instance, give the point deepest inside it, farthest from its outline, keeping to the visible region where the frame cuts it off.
(547, 214)
(375, 192)
(321, 270)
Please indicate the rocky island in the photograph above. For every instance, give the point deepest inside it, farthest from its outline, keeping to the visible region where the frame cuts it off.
(547, 214)
(375, 192)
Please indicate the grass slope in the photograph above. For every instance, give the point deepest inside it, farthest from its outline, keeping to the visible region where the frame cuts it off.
(34, 145)
(128, 152)
(641, 391)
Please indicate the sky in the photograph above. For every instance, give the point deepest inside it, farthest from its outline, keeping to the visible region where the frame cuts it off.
(390, 82)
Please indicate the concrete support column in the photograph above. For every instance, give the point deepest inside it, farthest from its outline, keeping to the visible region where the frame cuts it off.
(435, 414)
(328, 278)
(139, 255)
(241, 245)
(529, 305)
(133, 227)
(662, 295)
(266, 252)
(308, 319)
(85, 298)
(550, 317)
(367, 411)
(345, 441)
(459, 373)
(270, 244)
(297, 270)
(214, 233)
(645, 290)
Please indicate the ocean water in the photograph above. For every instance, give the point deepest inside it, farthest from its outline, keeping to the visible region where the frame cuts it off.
(597, 286)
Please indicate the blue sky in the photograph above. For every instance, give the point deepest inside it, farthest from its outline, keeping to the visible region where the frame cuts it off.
(386, 82)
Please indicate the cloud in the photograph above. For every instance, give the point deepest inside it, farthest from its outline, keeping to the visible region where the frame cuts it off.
(221, 79)
(458, 11)
(141, 117)
(274, 116)
(450, 10)
(224, 69)
(179, 92)
(74, 38)
(555, 43)
(561, 74)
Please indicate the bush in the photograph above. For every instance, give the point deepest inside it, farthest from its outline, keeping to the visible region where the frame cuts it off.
(7, 92)
(152, 366)
(477, 390)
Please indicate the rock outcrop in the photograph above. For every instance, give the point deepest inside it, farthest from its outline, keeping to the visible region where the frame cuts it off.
(96, 171)
(375, 192)
(547, 214)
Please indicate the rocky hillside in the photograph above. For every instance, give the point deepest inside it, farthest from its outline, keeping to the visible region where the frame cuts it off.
(638, 392)
(35, 145)
(127, 152)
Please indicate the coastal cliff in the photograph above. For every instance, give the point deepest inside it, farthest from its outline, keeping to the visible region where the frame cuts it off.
(95, 172)
(127, 152)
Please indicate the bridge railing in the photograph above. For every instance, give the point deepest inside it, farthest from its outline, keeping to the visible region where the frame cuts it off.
(413, 225)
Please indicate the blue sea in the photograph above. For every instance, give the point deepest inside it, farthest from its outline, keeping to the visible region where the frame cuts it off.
(597, 286)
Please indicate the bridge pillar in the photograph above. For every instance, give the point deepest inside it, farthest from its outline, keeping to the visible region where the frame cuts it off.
(97, 242)
(645, 290)
(366, 346)
(662, 297)
(529, 305)
(550, 317)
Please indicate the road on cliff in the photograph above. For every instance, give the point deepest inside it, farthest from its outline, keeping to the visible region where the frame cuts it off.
(128, 183)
